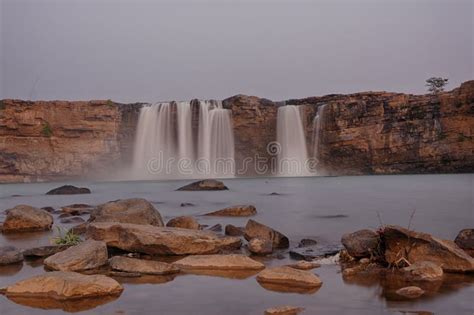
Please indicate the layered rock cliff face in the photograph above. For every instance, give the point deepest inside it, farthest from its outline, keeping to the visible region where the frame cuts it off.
(362, 133)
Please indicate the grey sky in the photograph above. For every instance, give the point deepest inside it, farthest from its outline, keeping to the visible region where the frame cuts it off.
(161, 50)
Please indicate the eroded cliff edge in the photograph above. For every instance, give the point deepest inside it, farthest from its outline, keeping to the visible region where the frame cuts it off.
(362, 133)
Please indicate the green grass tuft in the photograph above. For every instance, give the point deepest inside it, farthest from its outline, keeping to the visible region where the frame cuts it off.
(46, 131)
(69, 238)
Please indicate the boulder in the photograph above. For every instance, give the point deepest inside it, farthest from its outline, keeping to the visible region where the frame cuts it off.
(414, 246)
(184, 222)
(411, 292)
(232, 230)
(235, 211)
(219, 262)
(87, 255)
(284, 310)
(254, 229)
(25, 218)
(305, 265)
(424, 271)
(10, 255)
(465, 240)
(134, 211)
(69, 190)
(44, 251)
(61, 285)
(160, 240)
(133, 265)
(207, 184)
(363, 243)
(289, 277)
(260, 246)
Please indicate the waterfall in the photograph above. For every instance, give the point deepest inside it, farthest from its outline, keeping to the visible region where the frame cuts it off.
(318, 124)
(164, 146)
(293, 155)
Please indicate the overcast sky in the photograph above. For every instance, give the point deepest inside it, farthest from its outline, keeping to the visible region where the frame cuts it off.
(141, 50)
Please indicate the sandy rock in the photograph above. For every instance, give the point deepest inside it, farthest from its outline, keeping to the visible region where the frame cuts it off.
(207, 184)
(69, 190)
(184, 222)
(254, 229)
(465, 240)
(219, 262)
(25, 218)
(10, 255)
(289, 276)
(160, 240)
(284, 310)
(44, 251)
(260, 246)
(424, 271)
(142, 266)
(411, 292)
(235, 211)
(86, 255)
(232, 230)
(363, 243)
(305, 265)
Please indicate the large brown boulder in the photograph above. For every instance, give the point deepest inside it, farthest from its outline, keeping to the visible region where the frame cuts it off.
(207, 184)
(465, 240)
(254, 229)
(133, 265)
(414, 247)
(219, 262)
(25, 218)
(160, 240)
(289, 277)
(184, 222)
(87, 255)
(363, 243)
(235, 211)
(10, 255)
(69, 190)
(61, 285)
(135, 211)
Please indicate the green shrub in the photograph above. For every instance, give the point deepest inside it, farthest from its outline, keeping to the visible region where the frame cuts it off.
(46, 131)
(69, 238)
(110, 103)
(2, 106)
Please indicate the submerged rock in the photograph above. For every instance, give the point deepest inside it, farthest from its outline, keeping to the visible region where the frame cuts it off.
(235, 211)
(135, 211)
(363, 243)
(219, 262)
(77, 209)
(260, 246)
(133, 265)
(215, 228)
(284, 310)
(160, 240)
(10, 255)
(414, 246)
(254, 229)
(207, 184)
(184, 222)
(314, 252)
(69, 190)
(289, 276)
(411, 292)
(424, 271)
(87, 255)
(305, 242)
(232, 230)
(44, 251)
(465, 240)
(25, 218)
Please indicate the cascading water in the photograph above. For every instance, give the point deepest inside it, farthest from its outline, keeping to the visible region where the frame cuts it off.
(164, 146)
(318, 124)
(293, 155)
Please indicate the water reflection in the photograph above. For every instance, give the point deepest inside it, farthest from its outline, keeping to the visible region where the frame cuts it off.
(76, 305)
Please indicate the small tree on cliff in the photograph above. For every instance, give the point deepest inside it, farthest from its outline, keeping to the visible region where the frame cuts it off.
(436, 84)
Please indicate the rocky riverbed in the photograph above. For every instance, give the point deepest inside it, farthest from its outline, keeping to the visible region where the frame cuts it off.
(280, 246)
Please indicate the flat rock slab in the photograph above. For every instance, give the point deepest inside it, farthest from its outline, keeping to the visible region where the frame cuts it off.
(44, 251)
(289, 276)
(202, 185)
(235, 211)
(61, 285)
(305, 265)
(284, 310)
(133, 265)
(24, 218)
(219, 262)
(87, 255)
(160, 240)
(10, 255)
(315, 252)
(69, 190)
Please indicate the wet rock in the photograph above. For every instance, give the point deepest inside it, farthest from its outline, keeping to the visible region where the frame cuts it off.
(219, 262)
(289, 276)
(134, 211)
(187, 204)
(63, 285)
(254, 229)
(69, 190)
(424, 271)
(313, 252)
(80, 228)
(465, 240)
(305, 265)
(232, 230)
(414, 246)
(44, 251)
(305, 242)
(25, 218)
(332, 216)
(160, 240)
(363, 243)
(235, 211)
(48, 209)
(10, 255)
(215, 228)
(284, 310)
(70, 220)
(184, 222)
(142, 266)
(207, 184)
(411, 292)
(260, 246)
(87, 255)
(77, 209)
